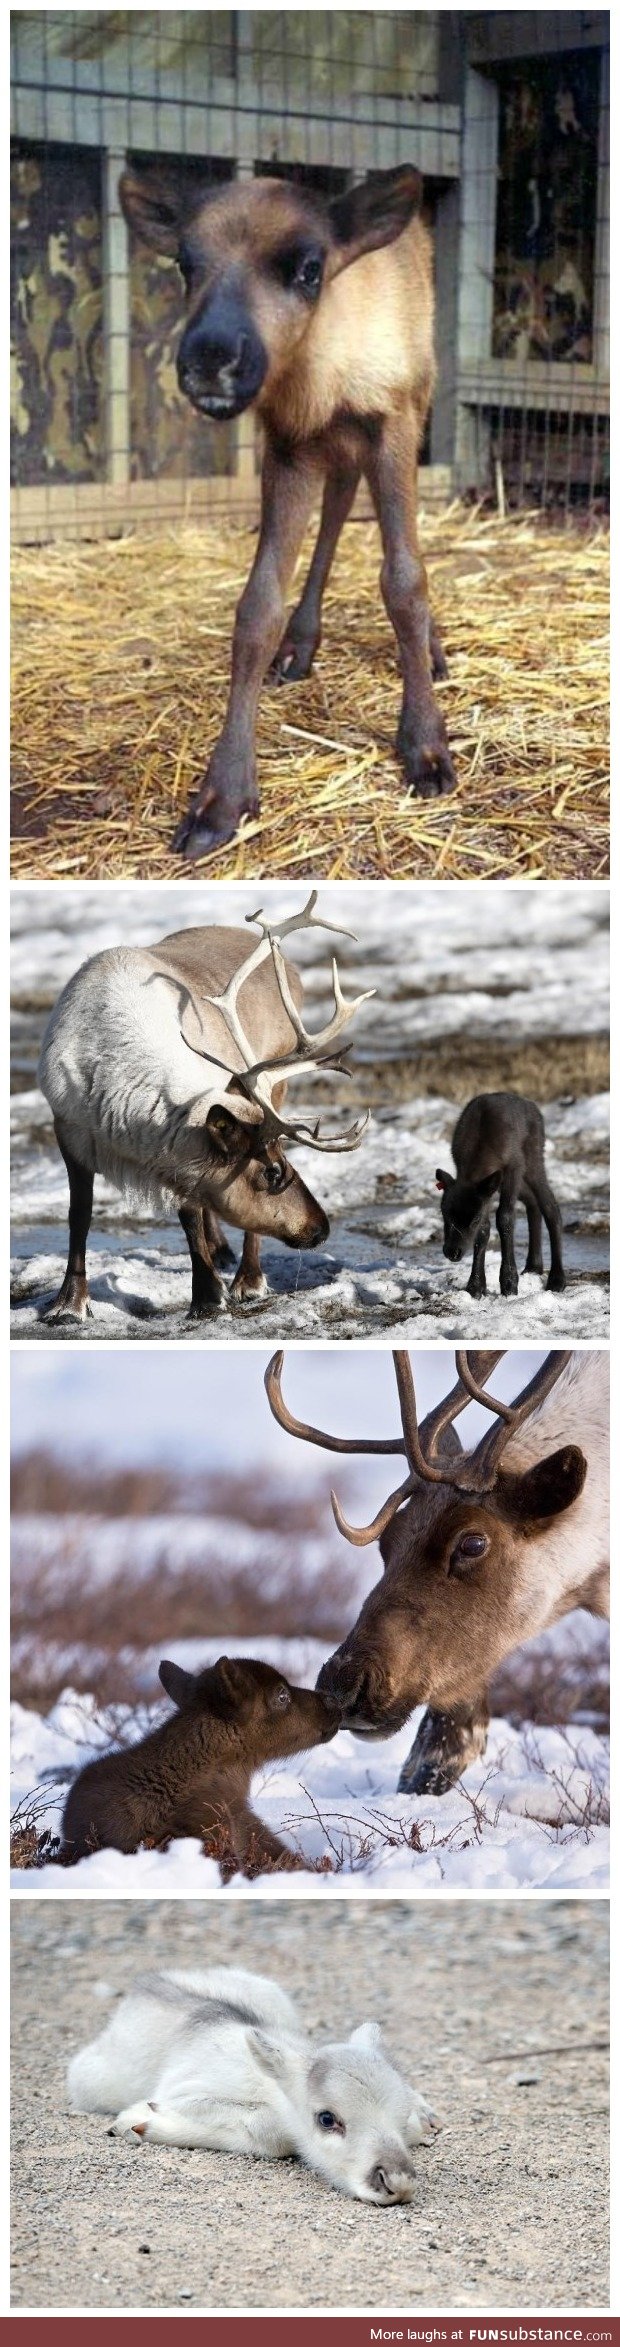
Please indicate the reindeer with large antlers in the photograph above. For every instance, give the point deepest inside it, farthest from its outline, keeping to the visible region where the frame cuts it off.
(481, 1550)
(166, 1069)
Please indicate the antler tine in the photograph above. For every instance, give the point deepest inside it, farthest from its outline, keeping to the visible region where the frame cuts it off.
(481, 1468)
(434, 1425)
(312, 1045)
(361, 1535)
(325, 1442)
(423, 1466)
(303, 920)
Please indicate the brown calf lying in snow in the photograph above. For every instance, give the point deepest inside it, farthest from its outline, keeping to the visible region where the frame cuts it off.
(192, 1775)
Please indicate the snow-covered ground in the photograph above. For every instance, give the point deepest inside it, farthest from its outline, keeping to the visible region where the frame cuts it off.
(457, 972)
(531, 1814)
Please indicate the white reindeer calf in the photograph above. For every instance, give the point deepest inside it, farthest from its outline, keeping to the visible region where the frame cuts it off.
(227, 2062)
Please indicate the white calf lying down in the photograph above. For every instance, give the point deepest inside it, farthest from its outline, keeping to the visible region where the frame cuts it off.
(229, 2068)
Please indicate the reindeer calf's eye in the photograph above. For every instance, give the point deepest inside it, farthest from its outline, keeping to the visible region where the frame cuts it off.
(282, 1698)
(309, 273)
(330, 2124)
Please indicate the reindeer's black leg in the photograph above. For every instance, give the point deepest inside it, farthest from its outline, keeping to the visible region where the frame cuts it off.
(477, 1283)
(215, 1242)
(250, 1281)
(208, 1292)
(505, 1218)
(551, 1215)
(302, 636)
(534, 1261)
(445, 1745)
(72, 1299)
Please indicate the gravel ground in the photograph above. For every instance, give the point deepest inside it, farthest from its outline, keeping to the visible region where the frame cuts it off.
(510, 2206)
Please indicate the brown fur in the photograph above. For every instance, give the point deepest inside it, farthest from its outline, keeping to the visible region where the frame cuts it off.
(192, 1775)
(342, 381)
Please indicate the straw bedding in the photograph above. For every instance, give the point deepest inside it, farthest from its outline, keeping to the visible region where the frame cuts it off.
(121, 663)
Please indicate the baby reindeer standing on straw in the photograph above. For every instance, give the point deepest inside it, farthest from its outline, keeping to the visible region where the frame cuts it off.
(319, 315)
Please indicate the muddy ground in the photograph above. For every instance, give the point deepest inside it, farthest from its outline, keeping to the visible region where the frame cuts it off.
(510, 2203)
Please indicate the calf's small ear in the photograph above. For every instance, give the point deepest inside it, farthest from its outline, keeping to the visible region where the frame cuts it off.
(152, 209)
(268, 2052)
(232, 1677)
(178, 1684)
(442, 1179)
(547, 1489)
(375, 213)
(367, 2037)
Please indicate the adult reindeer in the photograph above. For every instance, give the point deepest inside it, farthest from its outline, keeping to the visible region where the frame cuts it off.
(124, 1067)
(481, 1549)
(321, 317)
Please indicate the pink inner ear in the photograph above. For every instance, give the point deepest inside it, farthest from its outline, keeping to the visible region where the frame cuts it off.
(439, 1185)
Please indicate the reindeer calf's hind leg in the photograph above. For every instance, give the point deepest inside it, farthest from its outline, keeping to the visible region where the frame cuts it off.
(534, 1259)
(249, 1284)
(551, 1214)
(72, 1301)
(445, 1745)
(302, 637)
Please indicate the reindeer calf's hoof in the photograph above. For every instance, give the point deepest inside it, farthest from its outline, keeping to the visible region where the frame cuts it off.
(134, 2121)
(556, 1283)
(292, 662)
(422, 2123)
(428, 766)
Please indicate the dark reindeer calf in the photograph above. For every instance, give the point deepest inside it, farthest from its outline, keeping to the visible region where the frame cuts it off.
(319, 315)
(499, 1145)
(192, 1775)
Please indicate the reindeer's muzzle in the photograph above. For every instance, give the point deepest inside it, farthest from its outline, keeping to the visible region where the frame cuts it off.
(222, 361)
(363, 1696)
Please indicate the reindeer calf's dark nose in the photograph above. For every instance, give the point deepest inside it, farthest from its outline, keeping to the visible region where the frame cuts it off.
(208, 353)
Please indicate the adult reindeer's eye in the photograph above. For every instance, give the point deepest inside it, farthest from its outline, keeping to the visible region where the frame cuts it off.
(275, 1177)
(465, 1551)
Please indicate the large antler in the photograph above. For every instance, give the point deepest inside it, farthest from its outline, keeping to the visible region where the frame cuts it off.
(468, 1472)
(312, 1051)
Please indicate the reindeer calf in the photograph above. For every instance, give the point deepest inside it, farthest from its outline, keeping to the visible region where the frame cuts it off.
(499, 1144)
(192, 1775)
(320, 315)
(230, 2069)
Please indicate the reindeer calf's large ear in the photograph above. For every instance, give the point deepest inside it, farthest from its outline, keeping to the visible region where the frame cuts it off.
(178, 1684)
(442, 1179)
(151, 208)
(547, 1489)
(375, 213)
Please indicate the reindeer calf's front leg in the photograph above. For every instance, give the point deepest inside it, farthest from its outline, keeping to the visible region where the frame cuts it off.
(229, 787)
(445, 1745)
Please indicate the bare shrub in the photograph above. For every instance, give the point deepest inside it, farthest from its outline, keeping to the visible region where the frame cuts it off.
(90, 1632)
